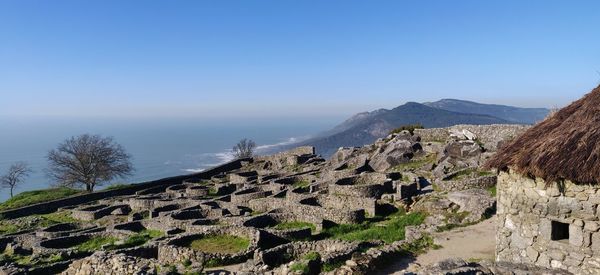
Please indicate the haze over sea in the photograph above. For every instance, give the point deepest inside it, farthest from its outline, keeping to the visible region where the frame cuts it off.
(159, 147)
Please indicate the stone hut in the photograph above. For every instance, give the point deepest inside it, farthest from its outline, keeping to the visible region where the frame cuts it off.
(549, 191)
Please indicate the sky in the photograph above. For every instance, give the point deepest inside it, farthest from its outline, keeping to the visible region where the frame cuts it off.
(286, 58)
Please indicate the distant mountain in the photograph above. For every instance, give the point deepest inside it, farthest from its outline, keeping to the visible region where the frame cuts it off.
(365, 128)
(514, 114)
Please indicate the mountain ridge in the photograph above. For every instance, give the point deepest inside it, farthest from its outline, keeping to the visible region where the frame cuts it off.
(371, 126)
(510, 113)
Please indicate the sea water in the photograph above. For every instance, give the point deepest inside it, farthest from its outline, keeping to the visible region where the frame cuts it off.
(159, 147)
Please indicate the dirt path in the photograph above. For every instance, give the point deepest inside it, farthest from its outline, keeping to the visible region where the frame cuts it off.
(473, 242)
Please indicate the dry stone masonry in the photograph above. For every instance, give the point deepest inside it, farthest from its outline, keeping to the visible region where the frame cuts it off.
(543, 225)
(264, 215)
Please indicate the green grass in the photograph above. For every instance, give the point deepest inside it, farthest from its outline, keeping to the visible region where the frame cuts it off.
(312, 256)
(454, 216)
(224, 244)
(492, 191)
(96, 243)
(301, 184)
(414, 164)
(117, 186)
(467, 173)
(28, 260)
(420, 246)
(300, 267)
(58, 217)
(214, 263)
(37, 196)
(391, 229)
(295, 225)
(212, 192)
(328, 267)
(485, 173)
(8, 228)
(15, 258)
(138, 239)
(35, 222)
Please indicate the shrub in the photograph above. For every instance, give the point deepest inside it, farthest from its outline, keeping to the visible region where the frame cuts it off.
(410, 127)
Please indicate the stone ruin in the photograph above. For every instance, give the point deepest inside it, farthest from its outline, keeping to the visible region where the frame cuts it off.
(181, 227)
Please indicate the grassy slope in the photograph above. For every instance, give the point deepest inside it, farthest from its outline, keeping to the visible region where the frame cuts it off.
(37, 196)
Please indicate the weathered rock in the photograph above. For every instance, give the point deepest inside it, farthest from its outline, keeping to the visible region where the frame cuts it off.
(475, 201)
(107, 263)
(401, 149)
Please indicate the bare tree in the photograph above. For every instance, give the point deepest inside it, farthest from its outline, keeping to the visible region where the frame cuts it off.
(88, 160)
(15, 175)
(244, 149)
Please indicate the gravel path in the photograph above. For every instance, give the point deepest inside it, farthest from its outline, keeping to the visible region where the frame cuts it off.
(473, 242)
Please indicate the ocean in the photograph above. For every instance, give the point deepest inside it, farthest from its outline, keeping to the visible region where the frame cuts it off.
(159, 147)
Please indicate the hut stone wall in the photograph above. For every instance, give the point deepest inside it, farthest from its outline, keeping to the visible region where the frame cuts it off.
(538, 224)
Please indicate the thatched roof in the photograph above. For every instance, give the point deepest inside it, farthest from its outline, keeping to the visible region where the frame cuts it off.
(565, 146)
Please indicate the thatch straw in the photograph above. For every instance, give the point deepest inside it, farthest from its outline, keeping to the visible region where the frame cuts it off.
(565, 146)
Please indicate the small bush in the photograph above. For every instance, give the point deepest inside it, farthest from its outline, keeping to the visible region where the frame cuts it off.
(410, 128)
(301, 267)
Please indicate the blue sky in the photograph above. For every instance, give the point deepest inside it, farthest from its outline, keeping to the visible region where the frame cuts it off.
(290, 58)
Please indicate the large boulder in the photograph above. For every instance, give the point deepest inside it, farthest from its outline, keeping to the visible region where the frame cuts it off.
(476, 202)
(462, 149)
(400, 149)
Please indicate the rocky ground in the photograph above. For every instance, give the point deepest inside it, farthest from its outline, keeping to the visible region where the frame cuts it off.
(402, 204)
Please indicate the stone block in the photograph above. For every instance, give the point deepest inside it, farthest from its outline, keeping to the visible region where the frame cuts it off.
(591, 226)
(576, 235)
(545, 229)
(596, 241)
(532, 254)
(556, 254)
(543, 260)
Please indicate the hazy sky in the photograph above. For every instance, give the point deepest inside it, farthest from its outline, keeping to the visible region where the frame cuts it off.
(290, 58)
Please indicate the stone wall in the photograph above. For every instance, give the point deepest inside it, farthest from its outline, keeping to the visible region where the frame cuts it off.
(52, 206)
(309, 213)
(488, 134)
(537, 224)
(468, 183)
(106, 263)
(349, 203)
(298, 151)
(330, 250)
